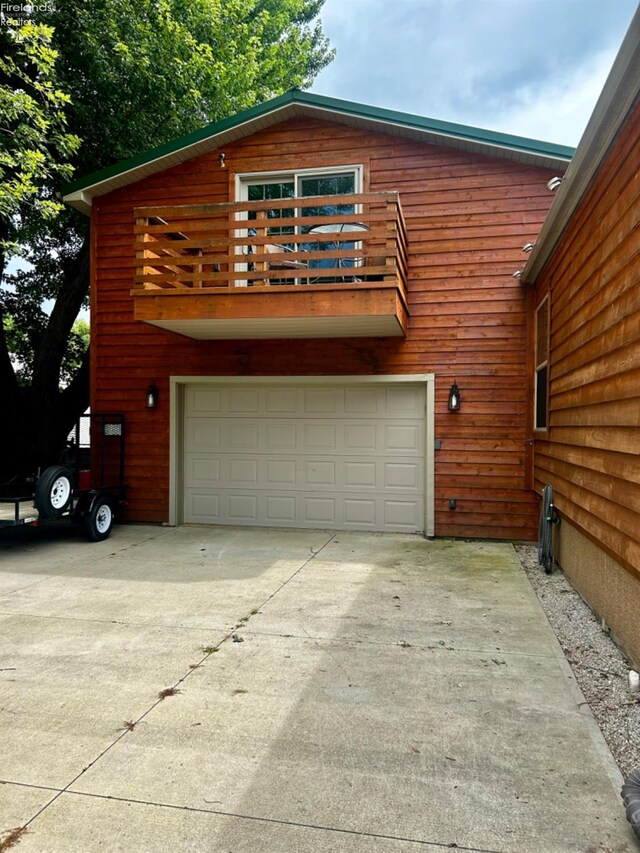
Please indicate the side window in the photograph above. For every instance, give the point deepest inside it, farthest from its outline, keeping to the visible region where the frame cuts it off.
(541, 415)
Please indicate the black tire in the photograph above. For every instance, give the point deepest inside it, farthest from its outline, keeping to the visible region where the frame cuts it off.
(98, 522)
(54, 491)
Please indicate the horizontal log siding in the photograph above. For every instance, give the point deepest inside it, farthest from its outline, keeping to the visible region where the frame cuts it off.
(467, 218)
(591, 453)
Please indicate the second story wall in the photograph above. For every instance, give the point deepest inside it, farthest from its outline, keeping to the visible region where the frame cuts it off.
(467, 216)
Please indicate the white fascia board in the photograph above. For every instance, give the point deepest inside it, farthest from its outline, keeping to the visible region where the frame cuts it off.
(82, 199)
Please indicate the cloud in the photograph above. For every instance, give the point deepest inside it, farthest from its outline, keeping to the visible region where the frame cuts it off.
(489, 63)
(560, 112)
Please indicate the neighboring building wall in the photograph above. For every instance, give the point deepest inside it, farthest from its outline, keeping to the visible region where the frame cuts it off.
(591, 454)
(467, 217)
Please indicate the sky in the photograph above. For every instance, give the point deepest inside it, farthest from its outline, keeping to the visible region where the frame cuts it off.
(529, 67)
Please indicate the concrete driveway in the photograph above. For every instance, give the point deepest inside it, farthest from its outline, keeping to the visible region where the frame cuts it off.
(321, 692)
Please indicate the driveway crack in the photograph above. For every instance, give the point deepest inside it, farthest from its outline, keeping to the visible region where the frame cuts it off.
(130, 725)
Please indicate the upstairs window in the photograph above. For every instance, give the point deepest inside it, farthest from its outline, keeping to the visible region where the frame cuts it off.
(541, 414)
(305, 183)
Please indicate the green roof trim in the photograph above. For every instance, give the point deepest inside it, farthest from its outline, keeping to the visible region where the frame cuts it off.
(295, 96)
(461, 131)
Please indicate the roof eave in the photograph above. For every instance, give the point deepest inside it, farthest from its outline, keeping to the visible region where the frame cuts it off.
(79, 194)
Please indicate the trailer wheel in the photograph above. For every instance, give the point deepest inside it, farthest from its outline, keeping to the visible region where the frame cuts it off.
(99, 520)
(54, 491)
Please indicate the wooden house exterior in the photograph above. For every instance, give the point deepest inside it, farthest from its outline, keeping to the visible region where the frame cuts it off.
(585, 314)
(294, 391)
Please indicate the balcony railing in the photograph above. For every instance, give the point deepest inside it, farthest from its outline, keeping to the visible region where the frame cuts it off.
(302, 242)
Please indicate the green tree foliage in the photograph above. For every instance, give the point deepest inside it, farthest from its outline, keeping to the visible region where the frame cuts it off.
(35, 146)
(142, 73)
(125, 76)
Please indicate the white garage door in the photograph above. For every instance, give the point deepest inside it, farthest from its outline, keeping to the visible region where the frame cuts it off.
(347, 457)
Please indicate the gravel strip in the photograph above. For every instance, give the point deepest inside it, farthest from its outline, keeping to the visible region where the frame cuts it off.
(600, 668)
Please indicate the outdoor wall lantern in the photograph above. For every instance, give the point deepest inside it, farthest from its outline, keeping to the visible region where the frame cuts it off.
(554, 183)
(454, 398)
(152, 395)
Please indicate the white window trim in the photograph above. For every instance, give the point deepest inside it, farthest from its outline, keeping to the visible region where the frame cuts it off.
(176, 406)
(243, 179)
(538, 366)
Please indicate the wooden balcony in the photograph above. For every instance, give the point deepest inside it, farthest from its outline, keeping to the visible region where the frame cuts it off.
(290, 268)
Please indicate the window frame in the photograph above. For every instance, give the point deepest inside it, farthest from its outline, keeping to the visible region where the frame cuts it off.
(539, 366)
(244, 179)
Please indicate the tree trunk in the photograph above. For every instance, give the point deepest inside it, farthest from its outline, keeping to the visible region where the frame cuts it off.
(35, 420)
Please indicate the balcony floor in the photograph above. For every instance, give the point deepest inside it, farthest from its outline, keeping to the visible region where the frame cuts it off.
(327, 311)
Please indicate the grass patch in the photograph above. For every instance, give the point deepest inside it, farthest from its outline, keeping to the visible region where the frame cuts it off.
(12, 837)
(168, 691)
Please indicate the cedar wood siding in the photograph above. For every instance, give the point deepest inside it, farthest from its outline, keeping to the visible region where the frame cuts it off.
(467, 218)
(591, 453)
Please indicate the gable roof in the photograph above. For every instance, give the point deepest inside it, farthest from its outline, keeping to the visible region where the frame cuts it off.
(620, 95)
(80, 193)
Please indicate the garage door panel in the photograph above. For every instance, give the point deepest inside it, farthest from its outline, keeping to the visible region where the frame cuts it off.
(282, 401)
(346, 457)
(360, 474)
(202, 471)
(304, 510)
(204, 506)
(319, 511)
(401, 475)
(360, 436)
(364, 475)
(201, 434)
(280, 510)
(325, 401)
(320, 473)
(319, 436)
(243, 401)
(243, 472)
(242, 509)
(400, 438)
(363, 401)
(404, 402)
(400, 514)
(200, 399)
(281, 473)
(281, 436)
(360, 513)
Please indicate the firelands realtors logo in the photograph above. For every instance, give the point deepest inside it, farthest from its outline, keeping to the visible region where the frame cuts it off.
(19, 14)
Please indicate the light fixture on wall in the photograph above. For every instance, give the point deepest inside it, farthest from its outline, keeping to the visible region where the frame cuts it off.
(454, 398)
(517, 274)
(528, 247)
(554, 183)
(152, 395)
(221, 158)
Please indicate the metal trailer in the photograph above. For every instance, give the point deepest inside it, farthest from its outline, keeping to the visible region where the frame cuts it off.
(87, 487)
